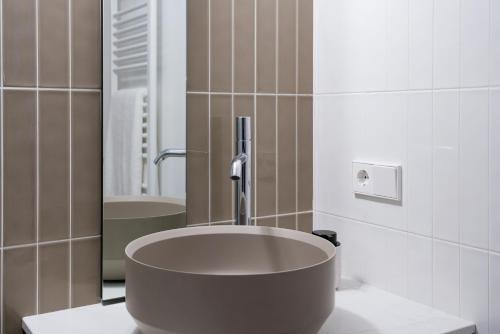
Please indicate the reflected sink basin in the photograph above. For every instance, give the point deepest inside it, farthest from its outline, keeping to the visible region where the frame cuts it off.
(230, 279)
(126, 218)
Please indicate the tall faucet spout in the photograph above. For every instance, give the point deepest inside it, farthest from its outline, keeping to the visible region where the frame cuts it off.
(241, 172)
(237, 166)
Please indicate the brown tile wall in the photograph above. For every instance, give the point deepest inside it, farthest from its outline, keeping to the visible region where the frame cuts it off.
(252, 58)
(51, 123)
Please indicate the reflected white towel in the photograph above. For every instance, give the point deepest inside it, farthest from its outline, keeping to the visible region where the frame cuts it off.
(123, 143)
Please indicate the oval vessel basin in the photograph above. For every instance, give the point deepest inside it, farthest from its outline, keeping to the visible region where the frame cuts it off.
(230, 279)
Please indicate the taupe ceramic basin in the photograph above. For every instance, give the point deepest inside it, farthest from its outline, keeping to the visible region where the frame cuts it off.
(126, 218)
(230, 279)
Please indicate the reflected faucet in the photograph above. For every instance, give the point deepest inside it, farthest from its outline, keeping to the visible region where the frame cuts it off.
(169, 153)
(241, 171)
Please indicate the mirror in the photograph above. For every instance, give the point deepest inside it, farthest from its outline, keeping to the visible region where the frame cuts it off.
(144, 127)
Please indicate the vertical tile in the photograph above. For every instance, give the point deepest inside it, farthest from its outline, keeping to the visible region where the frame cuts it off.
(495, 43)
(244, 43)
(86, 272)
(395, 264)
(270, 222)
(445, 175)
(86, 43)
(474, 287)
(265, 147)
(305, 222)
(53, 165)
(289, 222)
(19, 43)
(221, 154)
(287, 46)
(419, 171)
(52, 36)
(305, 153)
(473, 176)
(474, 42)
(86, 164)
(494, 293)
(397, 44)
(287, 186)
(221, 45)
(197, 193)
(244, 107)
(197, 159)
(494, 169)
(19, 287)
(197, 45)
(266, 46)
(197, 122)
(420, 43)
(420, 269)
(446, 277)
(19, 167)
(53, 276)
(351, 48)
(305, 47)
(446, 43)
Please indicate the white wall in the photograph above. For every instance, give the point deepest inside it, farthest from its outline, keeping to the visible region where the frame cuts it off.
(414, 82)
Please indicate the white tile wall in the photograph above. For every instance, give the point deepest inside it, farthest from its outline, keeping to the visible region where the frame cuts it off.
(414, 82)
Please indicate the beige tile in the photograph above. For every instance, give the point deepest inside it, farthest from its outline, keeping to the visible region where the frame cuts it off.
(53, 277)
(289, 222)
(287, 39)
(221, 45)
(269, 221)
(266, 46)
(197, 122)
(305, 153)
(305, 46)
(221, 153)
(86, 272)
(19, 43)
(286, 155)
(265, 154)
(86, 164)
(197, 193)
(53, 166)
(197, 45)
(19, 286)
(244, 41)
(305, 222)
(86, 43)
(19, 167)
(244, 107)
(53, 42)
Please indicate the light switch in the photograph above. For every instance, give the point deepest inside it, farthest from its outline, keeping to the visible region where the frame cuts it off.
(385, 181)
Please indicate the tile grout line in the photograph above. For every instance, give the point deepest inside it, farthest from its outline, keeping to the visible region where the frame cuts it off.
(70, 181)
(2, 183)
(52, 89)
(233, 122)
(37, 156)
(255, 141)
(459, 155)
(296, 115)
(276, 102)
(52, 242)
(209, 111)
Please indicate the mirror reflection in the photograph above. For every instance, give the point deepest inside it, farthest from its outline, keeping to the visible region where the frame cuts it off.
(144, 127)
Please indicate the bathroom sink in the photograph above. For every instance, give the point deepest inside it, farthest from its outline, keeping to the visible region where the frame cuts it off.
(230, 279)
(126, 218)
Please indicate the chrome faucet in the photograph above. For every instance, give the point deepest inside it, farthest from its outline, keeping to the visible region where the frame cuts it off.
(241, 171)
(169, 153)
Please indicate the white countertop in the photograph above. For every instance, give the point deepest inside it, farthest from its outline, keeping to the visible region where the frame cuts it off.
(358, 310)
